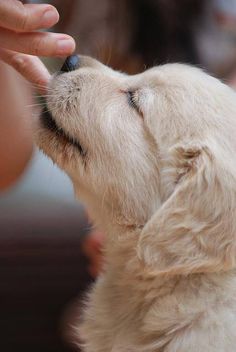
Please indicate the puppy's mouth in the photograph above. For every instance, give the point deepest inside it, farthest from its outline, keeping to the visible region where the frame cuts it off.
(50, 124)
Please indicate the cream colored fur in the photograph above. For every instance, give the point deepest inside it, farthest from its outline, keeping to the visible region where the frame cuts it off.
(160, 178)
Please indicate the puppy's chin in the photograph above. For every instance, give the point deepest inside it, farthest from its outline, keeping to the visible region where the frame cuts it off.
(56, 143)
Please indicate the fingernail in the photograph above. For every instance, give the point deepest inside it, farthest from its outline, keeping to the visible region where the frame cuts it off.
(50, 17)
(65, 46)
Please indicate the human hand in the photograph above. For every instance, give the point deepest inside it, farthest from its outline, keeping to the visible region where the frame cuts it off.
(92, 248)
(21, 42)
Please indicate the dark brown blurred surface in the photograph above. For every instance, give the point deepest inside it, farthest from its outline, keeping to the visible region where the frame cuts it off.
(42, 270)
(131, 35)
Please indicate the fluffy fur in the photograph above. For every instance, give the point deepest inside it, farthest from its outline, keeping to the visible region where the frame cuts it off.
(158, 173)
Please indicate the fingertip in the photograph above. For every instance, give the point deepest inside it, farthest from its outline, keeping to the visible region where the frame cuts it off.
(65, 46)
(50, 17)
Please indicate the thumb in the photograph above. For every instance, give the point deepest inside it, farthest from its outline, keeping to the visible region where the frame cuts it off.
(31, 67)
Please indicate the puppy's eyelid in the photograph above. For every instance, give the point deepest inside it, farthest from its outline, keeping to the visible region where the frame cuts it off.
(132, 100)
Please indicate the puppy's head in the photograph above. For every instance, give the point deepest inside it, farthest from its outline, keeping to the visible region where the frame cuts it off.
(155, 150)
(96, 132)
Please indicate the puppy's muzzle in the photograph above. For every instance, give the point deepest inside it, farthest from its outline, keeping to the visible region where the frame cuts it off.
(72, 63)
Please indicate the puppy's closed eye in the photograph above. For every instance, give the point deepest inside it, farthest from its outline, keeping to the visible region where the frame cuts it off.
(132, 96)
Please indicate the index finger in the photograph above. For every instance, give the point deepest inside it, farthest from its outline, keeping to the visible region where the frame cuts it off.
(26, 18)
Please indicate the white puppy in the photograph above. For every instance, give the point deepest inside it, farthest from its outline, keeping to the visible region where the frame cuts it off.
(154, 158)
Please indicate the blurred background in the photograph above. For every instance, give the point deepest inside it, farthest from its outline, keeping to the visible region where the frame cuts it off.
(42, 229)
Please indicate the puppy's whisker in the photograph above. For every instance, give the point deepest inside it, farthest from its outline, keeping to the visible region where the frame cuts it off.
(45, 88)
(35, 105)
(38, 106)
(38, 86)
(50, 111)
(109, 55)
(44, 96)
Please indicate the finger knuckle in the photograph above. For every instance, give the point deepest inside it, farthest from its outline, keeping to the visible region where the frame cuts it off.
(23, 19)
(20, 62)
(38, 45)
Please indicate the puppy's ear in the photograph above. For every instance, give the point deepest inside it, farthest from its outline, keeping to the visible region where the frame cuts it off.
(195, 228)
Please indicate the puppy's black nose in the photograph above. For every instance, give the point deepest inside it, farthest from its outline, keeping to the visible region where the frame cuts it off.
(72, 63)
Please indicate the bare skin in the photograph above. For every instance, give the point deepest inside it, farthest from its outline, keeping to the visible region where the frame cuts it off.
(20, 44)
